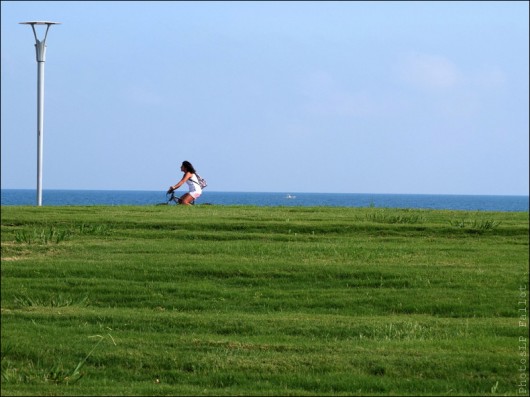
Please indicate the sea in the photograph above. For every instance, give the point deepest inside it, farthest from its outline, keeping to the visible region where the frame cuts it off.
(27, 197)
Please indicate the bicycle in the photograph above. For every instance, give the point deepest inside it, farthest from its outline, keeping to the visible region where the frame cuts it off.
(170, 197)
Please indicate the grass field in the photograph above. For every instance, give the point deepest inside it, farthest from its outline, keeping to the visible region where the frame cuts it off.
(222, 300)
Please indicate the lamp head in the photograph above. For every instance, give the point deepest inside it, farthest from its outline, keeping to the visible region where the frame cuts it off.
(40, 23)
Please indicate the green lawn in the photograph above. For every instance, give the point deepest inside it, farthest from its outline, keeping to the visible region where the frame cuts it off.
(240, 300)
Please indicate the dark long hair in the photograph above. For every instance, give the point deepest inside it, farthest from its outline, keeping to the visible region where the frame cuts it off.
(189, 168)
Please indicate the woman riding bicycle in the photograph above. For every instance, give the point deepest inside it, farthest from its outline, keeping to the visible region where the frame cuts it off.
(190, 178)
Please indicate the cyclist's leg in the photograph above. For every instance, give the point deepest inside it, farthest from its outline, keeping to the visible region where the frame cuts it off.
(186, 199)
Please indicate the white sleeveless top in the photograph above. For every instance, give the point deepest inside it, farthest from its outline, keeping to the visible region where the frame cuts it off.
(193, 184)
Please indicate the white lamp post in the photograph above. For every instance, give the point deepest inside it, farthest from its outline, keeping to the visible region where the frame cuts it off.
(40, 47)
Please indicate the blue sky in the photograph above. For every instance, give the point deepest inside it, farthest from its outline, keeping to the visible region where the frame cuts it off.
(340, 97)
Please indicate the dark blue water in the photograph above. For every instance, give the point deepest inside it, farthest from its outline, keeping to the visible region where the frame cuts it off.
(426, 201)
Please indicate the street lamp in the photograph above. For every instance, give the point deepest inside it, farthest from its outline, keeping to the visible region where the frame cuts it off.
(40, 47)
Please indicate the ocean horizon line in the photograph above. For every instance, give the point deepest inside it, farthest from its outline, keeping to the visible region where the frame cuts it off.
(270, 192)
(312, 199)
